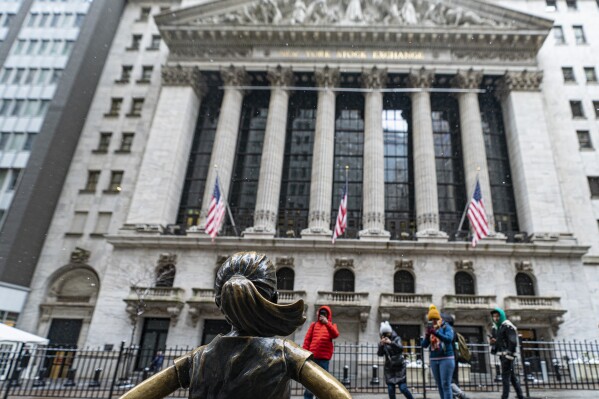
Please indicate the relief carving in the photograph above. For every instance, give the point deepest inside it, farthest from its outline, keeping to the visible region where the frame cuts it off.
(184, 76)
(286, 261)
(167, 259)
(524, 266)
(374, 78)
(519, 81)
(469, 79)
(344, 263)
(421, 78)
(353, 12)
(80, 255)
(465, 265)
(280, 76)
(327, 77)
(233, 76)
(404, 264)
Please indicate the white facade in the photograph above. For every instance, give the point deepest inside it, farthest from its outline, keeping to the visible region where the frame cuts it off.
(108, 233)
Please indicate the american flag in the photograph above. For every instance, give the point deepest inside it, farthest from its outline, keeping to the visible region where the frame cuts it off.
(341, 216)
(216, 212)
(477, 216)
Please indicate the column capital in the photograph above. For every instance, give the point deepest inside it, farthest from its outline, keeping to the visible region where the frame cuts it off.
(421, 78)
(177, 75)
(280, 77)
(374, 78)
(469, 79)
(327, 77)
(235, 76)
(519, 81)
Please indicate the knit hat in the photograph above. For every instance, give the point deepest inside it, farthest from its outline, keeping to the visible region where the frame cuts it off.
(433, 313)
(385, 328)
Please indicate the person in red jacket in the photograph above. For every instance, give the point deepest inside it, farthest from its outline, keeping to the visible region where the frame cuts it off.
(319, 340)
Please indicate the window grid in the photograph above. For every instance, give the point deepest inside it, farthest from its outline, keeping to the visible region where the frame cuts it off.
(550, 5)
(568, 73)
(572, 5)
(594, 186)
(577, 109)
(135, 42)
(104, 142)
(155, 43)
(344, 281)
(116, 178)
(93, 176)
(584, 139)
(558, 35)
(590, 74)
(136, 107)
(126, 142)
(125, 74)
(596, 108)
(146, 74)
(144, 14)
(115, 106)
(579, 34)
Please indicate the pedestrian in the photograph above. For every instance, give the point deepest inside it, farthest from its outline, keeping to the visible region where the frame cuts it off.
(504, 342)
(250, 361)
(439, 337)
(395, 368)
(156, 364)
(319, 340)
(455, 379)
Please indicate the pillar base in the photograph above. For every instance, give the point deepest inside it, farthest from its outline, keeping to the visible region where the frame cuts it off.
(374, 235)
(431, 236)
(259, 232)
(317, 233)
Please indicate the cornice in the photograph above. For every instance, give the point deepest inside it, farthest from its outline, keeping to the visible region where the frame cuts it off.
(344, 247)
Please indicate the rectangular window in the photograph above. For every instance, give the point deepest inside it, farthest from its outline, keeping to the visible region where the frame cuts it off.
(31, 108)
(44, 19)
(56, 74)
(43, 108)
(56, 43)
(126, 142)
(19, 47)
(596, 108)
(116, 178)
(558, 35)
(594, 186)
(29, 141)
(14, 178)
(146, 74)
(136, 106)
(42, 78)
(67, 20)
(3, 174)
(584, 139)
(5, 75)
(571, 4)
(17, 141)
(104, 142)
(577, 110)
(68, 45)
(568, 73)
(79, 20)
(16, 111)
(32, 19)
(115, 107)
(32, 47)
(44, 47)
(590, 74)
(579, 34)
(135, 42)
(30, 76)
(4, 136)
(78, 224)
(102, 223)
(54, 20)
(144, 14)
(125, 74)
(155, 44)
(93, 176)
(5, 106)
(18, 76)
(551, 5)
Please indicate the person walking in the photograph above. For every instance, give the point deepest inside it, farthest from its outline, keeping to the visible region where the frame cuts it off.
(439, 337)
(504, 341)
(395, 369)
(319, 340)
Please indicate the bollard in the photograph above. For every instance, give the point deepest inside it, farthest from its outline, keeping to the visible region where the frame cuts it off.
(95, 383)
(15, 377)
(527, 372)
(346, 382)
(375, 375)
(39, 380)
(556, 369)
(70, 378)
(544, 371)
(145, 374)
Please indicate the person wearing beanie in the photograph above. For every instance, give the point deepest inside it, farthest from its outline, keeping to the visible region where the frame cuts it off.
(504, 343)
(395, 370)
(439, 337)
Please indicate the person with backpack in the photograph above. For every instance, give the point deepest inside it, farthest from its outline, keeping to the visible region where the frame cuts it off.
(439, 337)
(462, 355)
(395, 369)
(504, 343)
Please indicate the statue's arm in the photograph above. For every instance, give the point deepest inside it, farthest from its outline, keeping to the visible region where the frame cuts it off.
(156, 387)
(321, 383)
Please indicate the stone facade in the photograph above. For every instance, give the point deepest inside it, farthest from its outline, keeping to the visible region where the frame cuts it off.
(559, 236)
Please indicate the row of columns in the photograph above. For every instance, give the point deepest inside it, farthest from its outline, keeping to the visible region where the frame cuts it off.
(425, 181)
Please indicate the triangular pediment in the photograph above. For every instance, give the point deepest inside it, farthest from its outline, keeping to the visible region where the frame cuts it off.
(365, 14)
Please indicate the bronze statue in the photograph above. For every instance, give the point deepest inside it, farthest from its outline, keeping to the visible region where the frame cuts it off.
(249, 362)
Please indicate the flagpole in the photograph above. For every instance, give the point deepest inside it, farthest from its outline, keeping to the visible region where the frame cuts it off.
(346, 190)
(227, 205)
(468, 202)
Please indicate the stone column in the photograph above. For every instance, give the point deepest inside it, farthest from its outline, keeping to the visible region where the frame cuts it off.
(321, 186)
(225, 139)
(373, 218)
(473, 142)
(273, 150)
(157, 194)
(425, 173)
(534, 172)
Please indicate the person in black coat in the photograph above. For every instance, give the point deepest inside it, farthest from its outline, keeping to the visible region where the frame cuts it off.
(395, 369)
(504, 343)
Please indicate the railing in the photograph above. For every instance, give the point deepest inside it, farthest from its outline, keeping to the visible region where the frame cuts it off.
(156, 293)
(469, 301)
(291, 296)
(202, 295)
(406, 300)
(532, 302)
(340, 298)
(106, 372)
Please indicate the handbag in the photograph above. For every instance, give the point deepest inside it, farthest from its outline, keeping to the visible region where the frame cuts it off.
(396, 361)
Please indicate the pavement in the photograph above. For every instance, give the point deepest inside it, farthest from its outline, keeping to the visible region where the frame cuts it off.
(534, 394)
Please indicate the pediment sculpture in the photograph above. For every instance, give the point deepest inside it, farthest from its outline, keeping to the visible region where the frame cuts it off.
(352, 12)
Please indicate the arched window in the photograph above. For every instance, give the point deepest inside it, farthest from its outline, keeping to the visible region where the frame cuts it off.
(285, 279)
(343, 281)
(403, 281)
(165, 275)
(77, 285)
(524, 285)
(464, 284)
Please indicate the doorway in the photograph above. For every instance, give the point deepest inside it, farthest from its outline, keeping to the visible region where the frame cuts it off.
(153, 339)
(474, 335)
(63, 337)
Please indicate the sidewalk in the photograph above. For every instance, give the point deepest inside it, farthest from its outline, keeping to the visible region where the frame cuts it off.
(534, 394)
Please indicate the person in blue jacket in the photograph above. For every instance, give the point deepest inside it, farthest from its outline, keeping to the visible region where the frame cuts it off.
(439, 337)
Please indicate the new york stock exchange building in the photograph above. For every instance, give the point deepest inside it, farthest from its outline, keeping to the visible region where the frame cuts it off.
(418, 99)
